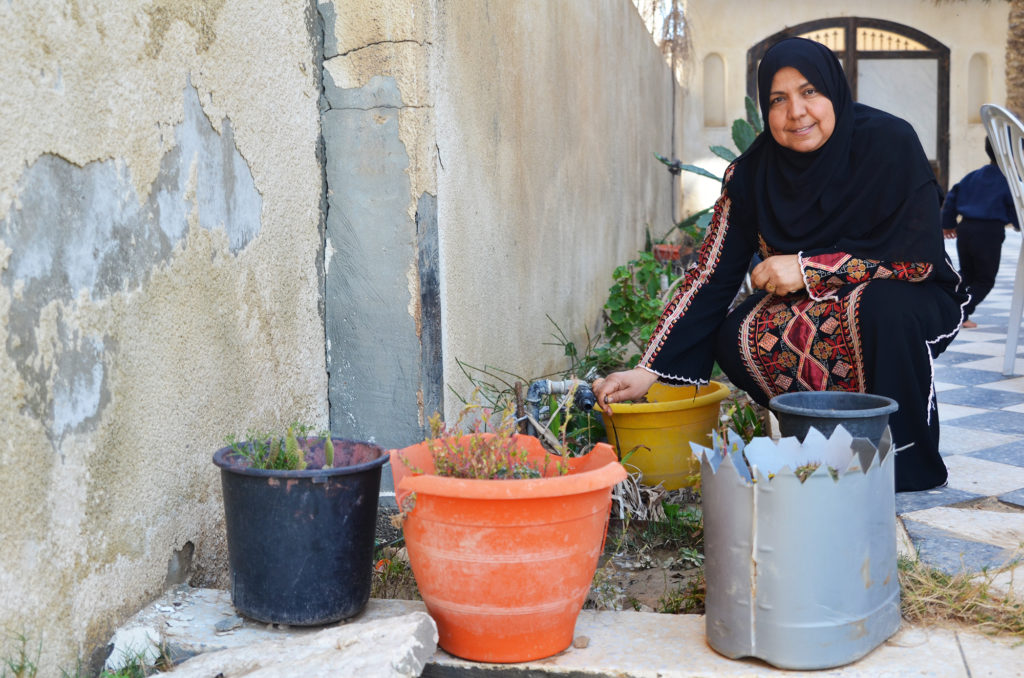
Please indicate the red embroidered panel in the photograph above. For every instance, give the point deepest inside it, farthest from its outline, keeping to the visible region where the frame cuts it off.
(824, 272)
(796, 343)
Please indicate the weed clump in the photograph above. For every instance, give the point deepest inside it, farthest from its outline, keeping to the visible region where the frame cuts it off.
(392, 575)
(935, 597)
(23, 663)
(688, 598)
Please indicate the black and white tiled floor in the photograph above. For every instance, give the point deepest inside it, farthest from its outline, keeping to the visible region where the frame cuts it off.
(977, 520)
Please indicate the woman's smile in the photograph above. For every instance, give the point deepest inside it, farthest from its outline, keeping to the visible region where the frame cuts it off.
(799, 116)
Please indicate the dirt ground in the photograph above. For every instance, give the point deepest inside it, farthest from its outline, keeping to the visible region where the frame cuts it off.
(636, 574)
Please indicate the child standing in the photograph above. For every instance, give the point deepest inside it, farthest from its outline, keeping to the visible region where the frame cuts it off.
(984, 205)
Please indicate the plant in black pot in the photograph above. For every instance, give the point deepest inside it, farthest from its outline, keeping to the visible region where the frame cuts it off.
(301, 514)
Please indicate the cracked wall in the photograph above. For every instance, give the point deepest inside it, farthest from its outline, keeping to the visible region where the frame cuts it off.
(160, 287)
(488, 165)
(384, 361)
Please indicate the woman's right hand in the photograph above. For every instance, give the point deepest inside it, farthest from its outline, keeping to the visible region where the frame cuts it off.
(621, 386)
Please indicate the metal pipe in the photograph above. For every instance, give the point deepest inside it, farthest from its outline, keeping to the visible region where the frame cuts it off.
(583, 396)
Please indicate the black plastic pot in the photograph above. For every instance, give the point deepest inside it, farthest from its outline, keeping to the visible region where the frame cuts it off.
(863, 415)
(300, 543)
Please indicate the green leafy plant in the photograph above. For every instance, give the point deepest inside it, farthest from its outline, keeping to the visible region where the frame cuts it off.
(281, 452)
(392, 575)
(139, 667)
(643, 286)
(635, 302)
(742, 418)
(682, 528)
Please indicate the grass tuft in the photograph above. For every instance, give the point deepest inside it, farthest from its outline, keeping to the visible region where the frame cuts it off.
(930, 596)
(688, 598)
(22, 664)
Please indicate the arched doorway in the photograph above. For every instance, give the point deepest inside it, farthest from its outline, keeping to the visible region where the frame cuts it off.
(890, 66)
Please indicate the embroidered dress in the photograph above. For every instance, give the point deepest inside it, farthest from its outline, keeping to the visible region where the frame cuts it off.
(880, 297)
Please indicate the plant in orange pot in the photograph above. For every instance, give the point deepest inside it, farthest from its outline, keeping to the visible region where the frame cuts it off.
(503, 537)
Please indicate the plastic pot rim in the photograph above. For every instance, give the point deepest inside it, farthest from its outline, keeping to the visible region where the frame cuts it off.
(610, 473)
(885, 405)
(718, 393)
(222, 459)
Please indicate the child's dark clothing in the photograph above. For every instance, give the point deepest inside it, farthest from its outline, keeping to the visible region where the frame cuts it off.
(983, 201)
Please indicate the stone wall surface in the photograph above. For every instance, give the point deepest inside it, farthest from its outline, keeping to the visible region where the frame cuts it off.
(730, 27)
(548, 116)
(160, 287)
(488, 166)
(183, 255)
(1015, 58)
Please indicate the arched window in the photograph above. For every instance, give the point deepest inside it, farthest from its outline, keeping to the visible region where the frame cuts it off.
(714, 91)
(890, 66)
(977, 86)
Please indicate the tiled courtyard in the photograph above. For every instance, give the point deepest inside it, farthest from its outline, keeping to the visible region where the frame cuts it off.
(977, 520)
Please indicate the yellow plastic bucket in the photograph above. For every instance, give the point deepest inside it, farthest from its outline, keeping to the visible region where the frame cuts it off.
(662, 429)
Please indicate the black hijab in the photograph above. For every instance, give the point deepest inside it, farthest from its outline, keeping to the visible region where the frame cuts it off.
(868, 190)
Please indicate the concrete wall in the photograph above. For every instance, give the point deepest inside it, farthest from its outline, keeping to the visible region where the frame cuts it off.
(160, 287)
(548, 114)
(731, 27)
(167, 273)
(383, 317)
(508, 149)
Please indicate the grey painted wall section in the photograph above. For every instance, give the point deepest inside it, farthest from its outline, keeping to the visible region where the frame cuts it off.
(488, 165)
(374, 355)
(81, 230)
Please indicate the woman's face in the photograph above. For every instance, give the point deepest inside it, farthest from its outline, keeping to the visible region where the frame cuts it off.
(799, 116)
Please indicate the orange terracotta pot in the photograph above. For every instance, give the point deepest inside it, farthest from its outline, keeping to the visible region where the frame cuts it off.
(505, 565)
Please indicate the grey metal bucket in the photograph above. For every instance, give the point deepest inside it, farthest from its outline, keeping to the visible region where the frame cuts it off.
(864, 415)
(799, 573)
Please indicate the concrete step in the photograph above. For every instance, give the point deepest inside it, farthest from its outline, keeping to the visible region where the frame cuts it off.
(191, 622)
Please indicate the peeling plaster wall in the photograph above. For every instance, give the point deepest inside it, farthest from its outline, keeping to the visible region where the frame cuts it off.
(160, 287)
(488, 165)
(382, 289)
(730, 27)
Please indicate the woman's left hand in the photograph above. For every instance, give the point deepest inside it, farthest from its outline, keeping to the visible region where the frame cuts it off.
(779, 274)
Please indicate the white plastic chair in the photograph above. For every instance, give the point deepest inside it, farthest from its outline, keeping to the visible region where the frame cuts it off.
(1006, 134)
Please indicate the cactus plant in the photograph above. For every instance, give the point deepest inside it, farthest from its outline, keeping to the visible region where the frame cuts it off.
(282, 453)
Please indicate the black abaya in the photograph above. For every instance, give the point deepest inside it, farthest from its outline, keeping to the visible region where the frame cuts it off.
(880, 298)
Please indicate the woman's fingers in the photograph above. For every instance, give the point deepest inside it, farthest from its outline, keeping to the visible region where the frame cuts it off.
(758, 276)
(610, 390)
(603, 388)
(622, 386)
(778, 274)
